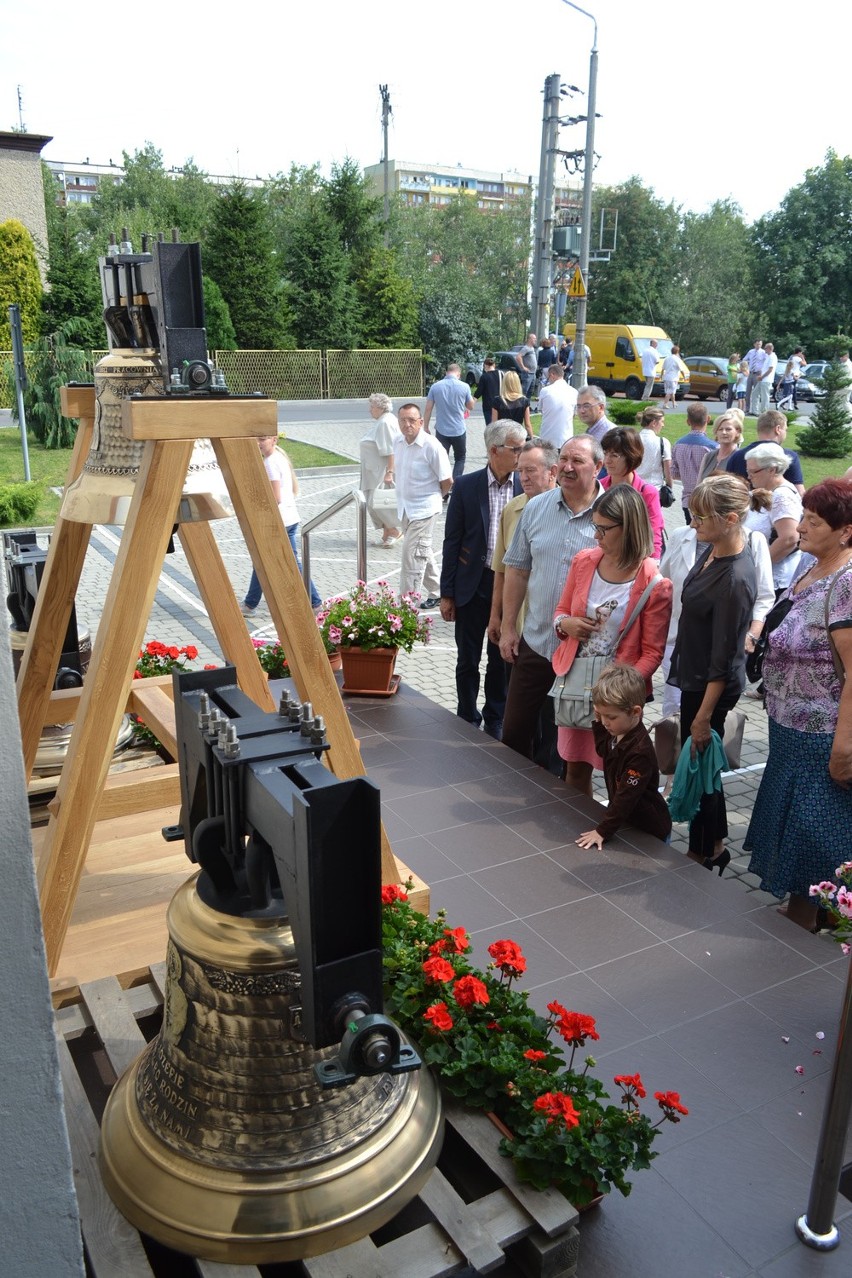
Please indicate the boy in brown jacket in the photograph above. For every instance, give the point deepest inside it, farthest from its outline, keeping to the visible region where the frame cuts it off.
(630, 762)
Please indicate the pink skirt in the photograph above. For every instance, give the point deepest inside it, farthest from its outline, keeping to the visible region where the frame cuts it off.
(577, 745)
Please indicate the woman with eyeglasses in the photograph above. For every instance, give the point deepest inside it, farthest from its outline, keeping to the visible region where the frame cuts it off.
(623, 451)
(603, 588)
(765, 466)
(511, 404)
(708, 662)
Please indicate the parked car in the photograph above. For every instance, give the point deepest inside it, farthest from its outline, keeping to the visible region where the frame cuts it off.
(506, 363)
(708, 376)
(806, 389)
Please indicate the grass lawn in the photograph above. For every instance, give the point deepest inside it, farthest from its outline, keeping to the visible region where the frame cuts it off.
(50, 466)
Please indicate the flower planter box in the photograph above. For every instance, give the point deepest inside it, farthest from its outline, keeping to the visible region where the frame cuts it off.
(368, 672)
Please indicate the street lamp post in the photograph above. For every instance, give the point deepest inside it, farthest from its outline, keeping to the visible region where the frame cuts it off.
(579, 378)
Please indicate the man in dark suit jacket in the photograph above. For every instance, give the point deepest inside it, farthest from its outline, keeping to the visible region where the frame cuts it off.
(478, 500)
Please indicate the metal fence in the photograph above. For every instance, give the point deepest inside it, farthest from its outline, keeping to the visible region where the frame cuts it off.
(303, 374)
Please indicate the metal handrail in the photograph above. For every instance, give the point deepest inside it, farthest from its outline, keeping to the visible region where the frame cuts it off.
(360, 501)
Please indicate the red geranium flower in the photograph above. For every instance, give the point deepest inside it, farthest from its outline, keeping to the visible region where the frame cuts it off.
(575, 1028)
(437, 947)
(533, 1054)
(191, 651)
(557, 1105)
(469, 990)
(670, 1102)
(556, 1009)
(438, 969)
(508, 957)
(630, 1082)
(392, 892)
(457, 939)
(438, 1016)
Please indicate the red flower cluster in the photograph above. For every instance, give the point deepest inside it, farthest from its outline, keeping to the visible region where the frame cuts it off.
(508, 957)
(670, 1103)
(392, 892)
(557, 1105)
(631, 1083)
(533, 1054)
(469, 990)
(438, 1017)
(574, 1027)
(439, 969)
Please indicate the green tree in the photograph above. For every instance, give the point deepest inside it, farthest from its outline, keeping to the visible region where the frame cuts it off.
(151, 198)
(450, 330)
(239, 255)
(829, 432)
(220, 330)
(322, 299)
(388, 304)
(20, 282)
(74, 292)
(355, 211)
(54, 360)
(803, 259)
(476, 262)
(708, 303)
(631, 287)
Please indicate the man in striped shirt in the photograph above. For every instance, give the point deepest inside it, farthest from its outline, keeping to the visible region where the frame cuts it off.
(689, 452)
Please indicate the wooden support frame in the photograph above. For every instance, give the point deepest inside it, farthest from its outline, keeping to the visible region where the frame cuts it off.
(169, 429)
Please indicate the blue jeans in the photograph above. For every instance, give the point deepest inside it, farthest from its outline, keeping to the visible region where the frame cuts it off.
(254, 594)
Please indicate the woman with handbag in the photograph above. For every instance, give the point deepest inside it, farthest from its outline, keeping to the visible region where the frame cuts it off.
(656, 464)
(800, 825)
(377, 467)
(708, 662)
(614, 607)
(622, 450)
(511, 405)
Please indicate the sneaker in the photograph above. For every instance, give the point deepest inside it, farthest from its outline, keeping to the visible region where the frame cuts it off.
(246, 610)
(428, 605)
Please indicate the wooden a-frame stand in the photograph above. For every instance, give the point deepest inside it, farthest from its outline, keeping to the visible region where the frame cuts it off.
(169, 428)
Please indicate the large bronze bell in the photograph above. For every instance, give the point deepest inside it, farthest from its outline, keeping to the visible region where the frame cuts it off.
(232, 1138)
(219, 1140)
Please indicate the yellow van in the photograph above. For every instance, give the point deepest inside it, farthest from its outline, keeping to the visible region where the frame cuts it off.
(616, 357)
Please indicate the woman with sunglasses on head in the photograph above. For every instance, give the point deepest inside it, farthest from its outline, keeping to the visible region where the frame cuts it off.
(708, 662)
(623, 452)
(603, 589)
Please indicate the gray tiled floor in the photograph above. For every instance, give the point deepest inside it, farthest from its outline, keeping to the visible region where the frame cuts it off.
(695, 981)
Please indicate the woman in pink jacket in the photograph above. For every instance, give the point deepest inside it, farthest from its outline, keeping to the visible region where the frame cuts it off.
(603, 587)
(623, 451)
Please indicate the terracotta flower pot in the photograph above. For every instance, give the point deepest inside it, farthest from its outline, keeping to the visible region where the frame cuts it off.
(368, 672)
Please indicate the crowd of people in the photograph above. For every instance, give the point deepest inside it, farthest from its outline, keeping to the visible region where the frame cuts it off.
(555, 563)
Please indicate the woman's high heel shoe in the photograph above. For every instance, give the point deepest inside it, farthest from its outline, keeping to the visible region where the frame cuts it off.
(717, 862)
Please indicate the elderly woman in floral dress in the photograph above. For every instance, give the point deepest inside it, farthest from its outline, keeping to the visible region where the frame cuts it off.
(802, 820)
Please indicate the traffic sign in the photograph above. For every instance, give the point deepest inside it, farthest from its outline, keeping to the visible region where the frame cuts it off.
(577, 287)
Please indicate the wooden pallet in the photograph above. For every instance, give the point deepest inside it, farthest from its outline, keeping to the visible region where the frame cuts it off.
(473, 1213)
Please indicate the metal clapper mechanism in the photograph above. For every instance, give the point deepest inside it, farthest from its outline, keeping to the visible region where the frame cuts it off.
(280, 834)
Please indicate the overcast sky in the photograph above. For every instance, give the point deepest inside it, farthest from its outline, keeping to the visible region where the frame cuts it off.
(701, 100)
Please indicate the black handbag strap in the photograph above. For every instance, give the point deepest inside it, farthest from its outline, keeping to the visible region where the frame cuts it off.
(839, 669)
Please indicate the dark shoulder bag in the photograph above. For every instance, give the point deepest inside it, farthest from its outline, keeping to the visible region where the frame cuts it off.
(773, 619)
(666, 494)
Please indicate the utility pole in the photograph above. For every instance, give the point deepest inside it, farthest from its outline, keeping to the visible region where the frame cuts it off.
(543, 264)
(386, 114)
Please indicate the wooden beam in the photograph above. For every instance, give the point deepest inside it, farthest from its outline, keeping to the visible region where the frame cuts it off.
(156, 709)
(127, 607)
(217, 591)
(172, 418)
